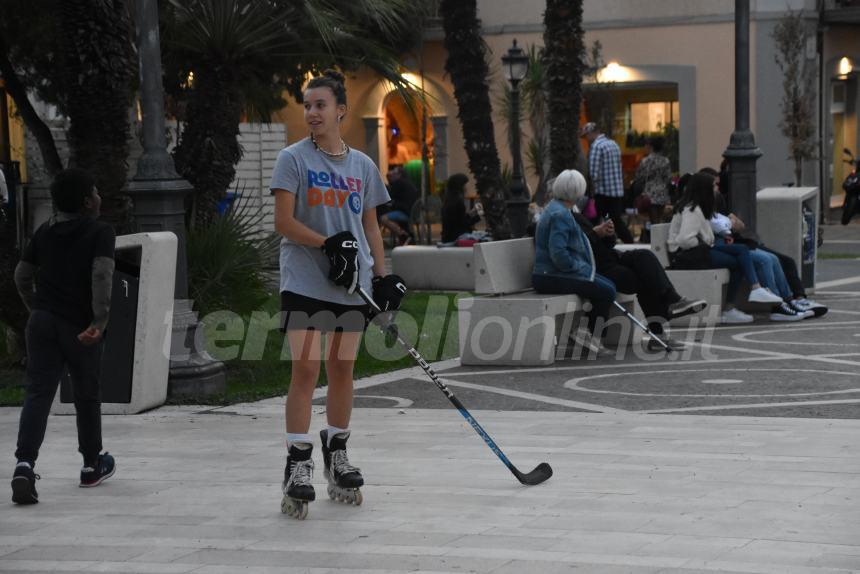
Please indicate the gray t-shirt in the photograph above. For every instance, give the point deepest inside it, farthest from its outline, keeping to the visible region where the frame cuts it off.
(331, 196)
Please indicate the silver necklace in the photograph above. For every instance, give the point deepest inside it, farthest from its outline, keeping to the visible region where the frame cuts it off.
(344, 148)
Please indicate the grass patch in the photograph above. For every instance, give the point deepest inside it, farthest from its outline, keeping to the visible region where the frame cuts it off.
(257, 358)
(839, 255)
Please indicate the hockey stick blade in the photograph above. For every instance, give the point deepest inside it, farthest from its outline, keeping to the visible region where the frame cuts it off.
(541, 473)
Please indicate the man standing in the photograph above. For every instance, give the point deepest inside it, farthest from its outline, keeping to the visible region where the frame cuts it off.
(64, 278)
(604, 167)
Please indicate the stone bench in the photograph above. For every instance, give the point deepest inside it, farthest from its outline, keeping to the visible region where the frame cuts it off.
(430, 268)
(508, 323)
(707, 284)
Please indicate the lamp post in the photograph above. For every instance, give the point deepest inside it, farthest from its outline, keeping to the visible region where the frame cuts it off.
(159, 205)
(515, 64)
(742, 152)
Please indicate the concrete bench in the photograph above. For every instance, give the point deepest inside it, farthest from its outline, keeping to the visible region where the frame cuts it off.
(707, 284)
(508, 323)
(430, 268)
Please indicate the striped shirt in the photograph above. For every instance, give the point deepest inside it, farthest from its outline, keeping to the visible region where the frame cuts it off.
(604, 166)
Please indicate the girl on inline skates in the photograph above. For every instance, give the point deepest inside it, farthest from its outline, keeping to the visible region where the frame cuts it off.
(326, 196)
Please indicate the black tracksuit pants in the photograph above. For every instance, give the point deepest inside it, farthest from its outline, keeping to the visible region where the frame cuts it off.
(52, 347)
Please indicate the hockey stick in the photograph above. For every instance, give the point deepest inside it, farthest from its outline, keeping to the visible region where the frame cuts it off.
(540, 473)
(644, 328)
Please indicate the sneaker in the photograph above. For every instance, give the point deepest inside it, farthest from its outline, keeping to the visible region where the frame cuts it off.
(817, 308)
(685, 306)
(734, 315)
(806, 313)
(24, 485)
(762, 295)
(654, 347)
(784, 312)
(583, 345)
(95, 475)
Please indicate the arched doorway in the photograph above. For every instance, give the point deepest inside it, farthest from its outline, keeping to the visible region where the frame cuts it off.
(384, 109)
(404, 125)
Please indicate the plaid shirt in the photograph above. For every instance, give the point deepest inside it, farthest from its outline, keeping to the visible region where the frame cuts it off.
(604, 166)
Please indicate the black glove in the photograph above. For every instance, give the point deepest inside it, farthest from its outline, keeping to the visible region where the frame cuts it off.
(342, 252)
(388, 292)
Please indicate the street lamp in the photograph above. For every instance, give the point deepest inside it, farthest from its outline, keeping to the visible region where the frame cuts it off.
(742, 152)
(515, 64)
(159, 205)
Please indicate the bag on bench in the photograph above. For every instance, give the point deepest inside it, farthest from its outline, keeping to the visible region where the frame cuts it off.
(698, 257)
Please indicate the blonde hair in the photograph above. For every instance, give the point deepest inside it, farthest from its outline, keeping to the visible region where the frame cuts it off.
(568, 186)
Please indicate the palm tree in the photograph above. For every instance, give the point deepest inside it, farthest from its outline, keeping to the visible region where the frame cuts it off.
(244, 54)
(99, 65)
(564, 52)
(467, 67)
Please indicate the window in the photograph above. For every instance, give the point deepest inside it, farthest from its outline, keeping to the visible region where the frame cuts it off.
(653, 116)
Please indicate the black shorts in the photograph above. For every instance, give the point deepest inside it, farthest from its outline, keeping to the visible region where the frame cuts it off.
(300, 313)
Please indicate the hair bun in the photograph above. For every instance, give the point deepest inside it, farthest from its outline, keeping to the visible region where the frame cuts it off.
(334, 75)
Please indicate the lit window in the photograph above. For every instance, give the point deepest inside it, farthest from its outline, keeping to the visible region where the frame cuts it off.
(653, 116)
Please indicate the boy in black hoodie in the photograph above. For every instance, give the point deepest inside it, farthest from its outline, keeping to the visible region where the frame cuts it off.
(65, 279)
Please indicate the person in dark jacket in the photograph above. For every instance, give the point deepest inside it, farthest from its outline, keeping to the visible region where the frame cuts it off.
(65, 279)
(639, 271)
(456, 219)
(396, 216)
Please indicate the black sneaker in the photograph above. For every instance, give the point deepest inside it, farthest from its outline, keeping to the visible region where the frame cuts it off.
(655, 347)
(784, 312)
(686, 306)
(95, 475)
(24, 486)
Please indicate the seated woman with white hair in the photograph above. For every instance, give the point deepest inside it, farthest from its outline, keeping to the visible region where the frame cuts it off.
(564, 261)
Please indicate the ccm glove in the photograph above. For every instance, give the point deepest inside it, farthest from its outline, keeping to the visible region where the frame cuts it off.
(388, 292)
(342, 252)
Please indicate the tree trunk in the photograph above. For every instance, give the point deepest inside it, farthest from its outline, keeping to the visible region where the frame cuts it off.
(99, 66)
(208, 149)
(564, 53)
(467, 66)
(34, 123)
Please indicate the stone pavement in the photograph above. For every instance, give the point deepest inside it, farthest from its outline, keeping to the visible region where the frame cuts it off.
(197, 490)
(743, 457)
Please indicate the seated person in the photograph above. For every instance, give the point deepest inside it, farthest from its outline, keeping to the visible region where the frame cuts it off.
(692, 245)
(767, 268)
(456, 219)
(396, 216)
(789, 285)
(639, 271)
(564, 262)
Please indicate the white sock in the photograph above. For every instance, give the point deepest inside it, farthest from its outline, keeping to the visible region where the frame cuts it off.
(23, 463)
(333, 431)
(299, 440)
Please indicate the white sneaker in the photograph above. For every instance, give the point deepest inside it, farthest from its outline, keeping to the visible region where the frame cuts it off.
(762, 295)
(735, 316)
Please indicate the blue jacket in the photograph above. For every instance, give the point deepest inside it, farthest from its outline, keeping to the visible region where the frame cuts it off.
(561, 246)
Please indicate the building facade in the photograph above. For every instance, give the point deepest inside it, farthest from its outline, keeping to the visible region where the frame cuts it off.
(671, 61)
